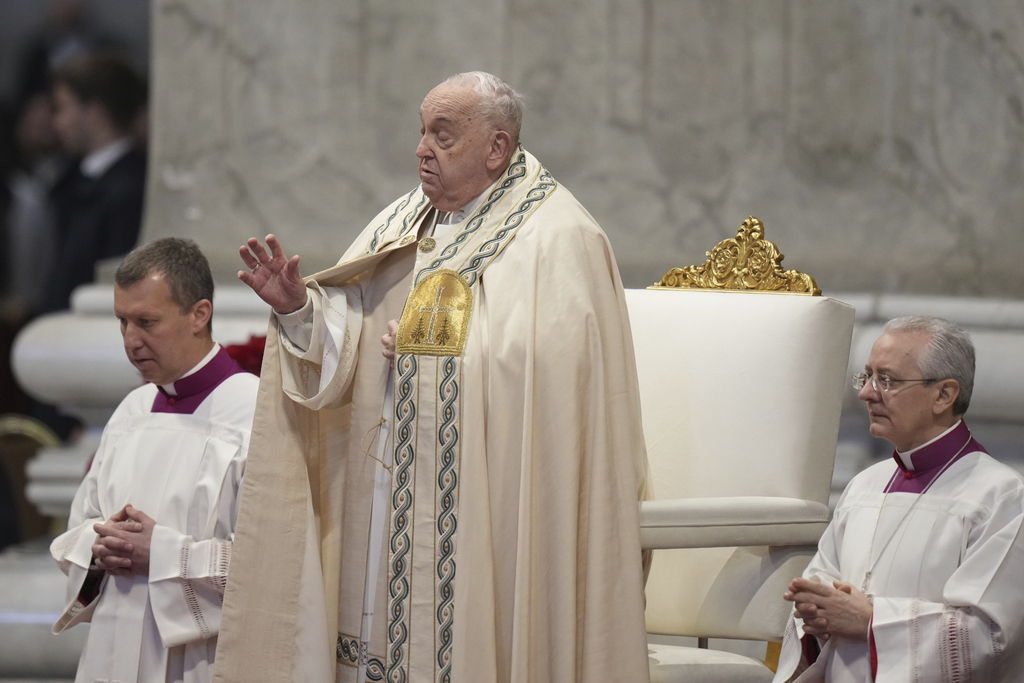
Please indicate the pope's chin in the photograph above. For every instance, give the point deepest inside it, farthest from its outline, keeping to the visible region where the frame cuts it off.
(428, 181)
(433, 194)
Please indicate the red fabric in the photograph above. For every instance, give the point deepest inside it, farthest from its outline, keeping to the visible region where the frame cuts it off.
(91, 586)
(811, 648)
(874, 652)
(250, 354)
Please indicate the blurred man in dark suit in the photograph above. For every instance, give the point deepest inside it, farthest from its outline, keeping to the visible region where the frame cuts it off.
(97, 99)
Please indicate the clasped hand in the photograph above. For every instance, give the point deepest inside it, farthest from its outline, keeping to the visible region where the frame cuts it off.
(837, 610)
(123, 545)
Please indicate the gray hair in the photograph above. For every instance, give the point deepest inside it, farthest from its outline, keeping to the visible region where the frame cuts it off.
(949, 353)
(502, 105)
(183, 265)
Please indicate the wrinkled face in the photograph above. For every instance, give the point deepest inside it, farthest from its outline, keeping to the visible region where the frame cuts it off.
(69, 120)
(454, 145)
(903, 415)
(161, 342)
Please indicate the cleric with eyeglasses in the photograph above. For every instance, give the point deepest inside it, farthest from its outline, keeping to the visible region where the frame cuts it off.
(918, 576)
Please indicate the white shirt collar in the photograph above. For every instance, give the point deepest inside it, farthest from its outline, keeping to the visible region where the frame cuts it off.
(169, 388)
(97, 163)
(465, 212)
(905, 457)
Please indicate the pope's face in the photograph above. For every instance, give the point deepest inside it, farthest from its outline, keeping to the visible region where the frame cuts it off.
(455, 141)
(903, 416)
(160, 341)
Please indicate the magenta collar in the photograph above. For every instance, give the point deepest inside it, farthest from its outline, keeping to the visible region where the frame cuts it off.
(193, 390)
(929, 460)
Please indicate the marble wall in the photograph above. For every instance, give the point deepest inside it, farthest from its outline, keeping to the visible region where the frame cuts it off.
(880, 142)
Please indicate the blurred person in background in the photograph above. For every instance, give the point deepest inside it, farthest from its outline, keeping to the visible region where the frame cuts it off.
(66, 34)
(31, 229)
(98, 201)
(30, 239)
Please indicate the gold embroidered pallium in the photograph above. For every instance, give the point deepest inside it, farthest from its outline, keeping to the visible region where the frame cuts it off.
(436, 317)
(747, 263)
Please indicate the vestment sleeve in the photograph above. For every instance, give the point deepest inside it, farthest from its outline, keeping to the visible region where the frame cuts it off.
(74, 546)
(799, 650)
(318, 358)
(73, 549)
(978, 623)
(187, 577)
(297, 326)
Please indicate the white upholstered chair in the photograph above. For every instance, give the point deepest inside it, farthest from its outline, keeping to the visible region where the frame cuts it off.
(741, 396)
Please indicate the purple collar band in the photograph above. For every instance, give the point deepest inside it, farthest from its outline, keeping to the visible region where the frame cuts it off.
(929, 460)
(194, 389)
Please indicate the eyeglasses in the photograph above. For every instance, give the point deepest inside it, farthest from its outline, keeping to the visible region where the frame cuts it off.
(880, 382)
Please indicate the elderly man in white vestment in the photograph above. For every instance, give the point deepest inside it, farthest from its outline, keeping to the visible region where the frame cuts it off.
(149, 539)
(919, 575)
(464, 507)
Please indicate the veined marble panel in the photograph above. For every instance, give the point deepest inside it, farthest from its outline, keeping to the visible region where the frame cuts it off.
(880, 143)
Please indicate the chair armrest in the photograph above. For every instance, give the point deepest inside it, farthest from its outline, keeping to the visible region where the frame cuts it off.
(732, 521)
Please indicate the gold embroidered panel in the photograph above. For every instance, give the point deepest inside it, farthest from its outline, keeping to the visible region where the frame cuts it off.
(747, 263)
(436, 317)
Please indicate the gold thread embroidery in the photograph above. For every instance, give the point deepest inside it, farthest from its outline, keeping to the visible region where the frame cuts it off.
(436, 317)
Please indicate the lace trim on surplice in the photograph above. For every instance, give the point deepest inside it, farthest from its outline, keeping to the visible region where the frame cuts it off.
(190, 595)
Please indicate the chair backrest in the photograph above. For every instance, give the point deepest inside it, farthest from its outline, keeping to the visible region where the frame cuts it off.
(741, 396)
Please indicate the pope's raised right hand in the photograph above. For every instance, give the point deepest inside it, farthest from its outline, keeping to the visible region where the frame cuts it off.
(274, 276)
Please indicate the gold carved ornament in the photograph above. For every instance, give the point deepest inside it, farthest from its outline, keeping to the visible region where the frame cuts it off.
(746, 263)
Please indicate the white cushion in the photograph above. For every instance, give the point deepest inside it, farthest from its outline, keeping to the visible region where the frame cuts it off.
(674, 664)
(723, 592)
(731, 521)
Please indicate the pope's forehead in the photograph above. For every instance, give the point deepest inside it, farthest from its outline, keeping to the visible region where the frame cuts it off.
(450, 102)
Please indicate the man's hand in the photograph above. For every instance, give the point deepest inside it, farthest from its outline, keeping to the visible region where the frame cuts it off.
(274, 277)
(826, 611)
(122, 548)
(388, 340)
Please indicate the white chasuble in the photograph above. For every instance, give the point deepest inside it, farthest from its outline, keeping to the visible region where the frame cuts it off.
(510, 549)
(184, 471)
(947, 587)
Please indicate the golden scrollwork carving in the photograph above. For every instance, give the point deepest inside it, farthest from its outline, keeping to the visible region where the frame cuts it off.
(747, 263)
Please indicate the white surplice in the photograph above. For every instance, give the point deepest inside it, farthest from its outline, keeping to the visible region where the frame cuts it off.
(948, 589)
(184, 471)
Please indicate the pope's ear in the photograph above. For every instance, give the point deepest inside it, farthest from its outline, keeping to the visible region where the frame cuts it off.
(501, 150)
(949, 390)
(202, 311)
